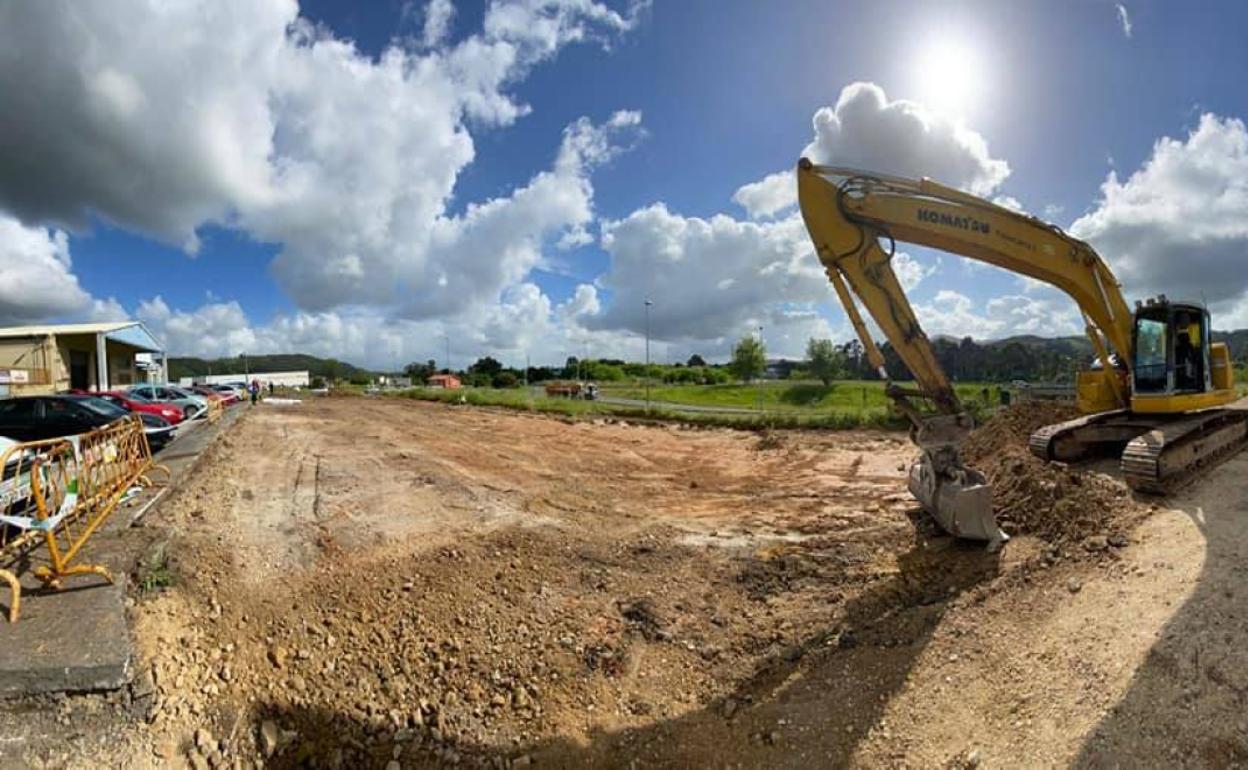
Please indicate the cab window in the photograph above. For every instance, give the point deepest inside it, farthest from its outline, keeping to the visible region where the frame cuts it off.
(1150, 356)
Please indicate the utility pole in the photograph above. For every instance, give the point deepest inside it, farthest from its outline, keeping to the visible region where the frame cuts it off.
(448, 351)
(648, 304)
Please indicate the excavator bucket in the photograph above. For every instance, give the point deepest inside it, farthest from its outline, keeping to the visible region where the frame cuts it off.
(961, 506)
(957, 497)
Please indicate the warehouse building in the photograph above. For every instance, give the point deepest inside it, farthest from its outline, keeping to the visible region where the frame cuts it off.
(277, 379)
(99, 356)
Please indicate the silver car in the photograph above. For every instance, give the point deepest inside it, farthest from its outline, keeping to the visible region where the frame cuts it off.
(193, 405)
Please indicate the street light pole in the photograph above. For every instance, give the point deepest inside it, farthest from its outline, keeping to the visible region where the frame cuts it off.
(647, 373)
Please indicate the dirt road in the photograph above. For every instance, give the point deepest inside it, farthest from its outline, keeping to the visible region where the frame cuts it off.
(362, 582)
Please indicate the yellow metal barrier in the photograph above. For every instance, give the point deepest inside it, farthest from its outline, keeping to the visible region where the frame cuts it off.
(64, 490)
(216, 406)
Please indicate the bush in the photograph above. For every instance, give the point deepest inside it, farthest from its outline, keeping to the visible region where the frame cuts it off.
(506, 380)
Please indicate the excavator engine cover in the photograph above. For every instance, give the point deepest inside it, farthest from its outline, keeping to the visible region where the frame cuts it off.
(961, 503)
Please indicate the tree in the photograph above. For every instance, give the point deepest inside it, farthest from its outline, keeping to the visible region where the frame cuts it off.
(826, 362)
(506, 379)
(749, 359)
(696, 360)
(332, 366)
(419, 372)
(487, 366)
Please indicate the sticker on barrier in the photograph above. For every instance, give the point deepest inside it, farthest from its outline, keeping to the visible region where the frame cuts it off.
(58, 492)
(215, 408)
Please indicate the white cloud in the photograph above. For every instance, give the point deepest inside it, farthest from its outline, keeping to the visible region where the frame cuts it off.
(438, 16)
(713, 278)
(954, 314)
(583, 302)
(1124, 19)
(168, 116)
(107, 310)
(1179, 224)
(473, 258)
(708, 278)
(865, 130)
(1009, 202)
(910, 271)
(768, 196)
(36, 282)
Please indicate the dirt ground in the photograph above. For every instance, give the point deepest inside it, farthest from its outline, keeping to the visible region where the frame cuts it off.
(377, 583)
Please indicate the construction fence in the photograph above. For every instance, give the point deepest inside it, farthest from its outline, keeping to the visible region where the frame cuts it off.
(55, 494)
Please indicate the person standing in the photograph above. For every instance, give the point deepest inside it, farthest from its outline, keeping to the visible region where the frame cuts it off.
(254, 390)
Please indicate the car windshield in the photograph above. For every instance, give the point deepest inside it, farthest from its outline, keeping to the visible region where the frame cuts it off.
(139, 397)
(100, 406)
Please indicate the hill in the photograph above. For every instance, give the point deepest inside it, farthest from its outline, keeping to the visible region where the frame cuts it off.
(276, 362)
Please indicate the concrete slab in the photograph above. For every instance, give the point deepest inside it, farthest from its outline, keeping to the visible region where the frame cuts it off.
(78, 639)
(67, 641)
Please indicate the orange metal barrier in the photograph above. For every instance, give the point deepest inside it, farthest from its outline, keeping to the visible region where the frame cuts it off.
(60, 492)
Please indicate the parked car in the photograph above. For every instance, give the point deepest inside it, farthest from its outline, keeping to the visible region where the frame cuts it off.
(230, 392)
(212, 394)
(192, 404)
(31, 418)
(133, 403)
(158, 430)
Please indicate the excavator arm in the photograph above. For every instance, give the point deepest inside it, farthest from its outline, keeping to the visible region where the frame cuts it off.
(851, 215)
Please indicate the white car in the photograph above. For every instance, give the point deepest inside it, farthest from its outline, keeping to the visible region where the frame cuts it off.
(193, 405)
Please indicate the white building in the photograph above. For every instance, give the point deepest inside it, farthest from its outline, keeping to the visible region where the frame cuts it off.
(278, 379)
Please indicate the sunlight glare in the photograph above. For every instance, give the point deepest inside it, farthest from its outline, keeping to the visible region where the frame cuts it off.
(950, 77)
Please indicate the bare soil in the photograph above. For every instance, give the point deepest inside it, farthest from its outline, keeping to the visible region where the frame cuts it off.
(375, 583)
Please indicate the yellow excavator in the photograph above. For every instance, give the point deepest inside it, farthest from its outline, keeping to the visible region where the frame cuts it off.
(1157, 391)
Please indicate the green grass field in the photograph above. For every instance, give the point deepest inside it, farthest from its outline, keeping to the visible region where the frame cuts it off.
(846, 397)
(842, 405)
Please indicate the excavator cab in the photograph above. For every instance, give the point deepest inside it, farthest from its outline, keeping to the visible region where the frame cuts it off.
(1172, 350)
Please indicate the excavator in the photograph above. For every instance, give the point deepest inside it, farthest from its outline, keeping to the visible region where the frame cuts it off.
(1159, 388)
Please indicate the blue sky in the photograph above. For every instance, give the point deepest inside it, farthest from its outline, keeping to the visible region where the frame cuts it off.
(523, 205)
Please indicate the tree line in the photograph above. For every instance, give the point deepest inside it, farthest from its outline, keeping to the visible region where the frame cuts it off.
(1034, 359)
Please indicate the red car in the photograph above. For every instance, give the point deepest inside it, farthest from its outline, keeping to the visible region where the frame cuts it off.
(128, 401)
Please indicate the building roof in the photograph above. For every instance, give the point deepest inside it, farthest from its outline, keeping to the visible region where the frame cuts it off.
(132, 333)
(443, 377)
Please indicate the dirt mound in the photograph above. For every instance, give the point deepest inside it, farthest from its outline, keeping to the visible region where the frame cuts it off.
(1049, 500)
(1010, 428)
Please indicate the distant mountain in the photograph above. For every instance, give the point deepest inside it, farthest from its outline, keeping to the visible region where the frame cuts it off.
(277, 362)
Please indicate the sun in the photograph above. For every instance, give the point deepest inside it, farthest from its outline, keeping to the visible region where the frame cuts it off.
(949, 74)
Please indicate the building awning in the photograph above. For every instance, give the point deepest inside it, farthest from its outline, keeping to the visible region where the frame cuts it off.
(137, 336)
(132, 333)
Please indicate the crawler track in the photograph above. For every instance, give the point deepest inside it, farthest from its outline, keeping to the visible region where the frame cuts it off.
(1159, 453)
(1167, 457)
